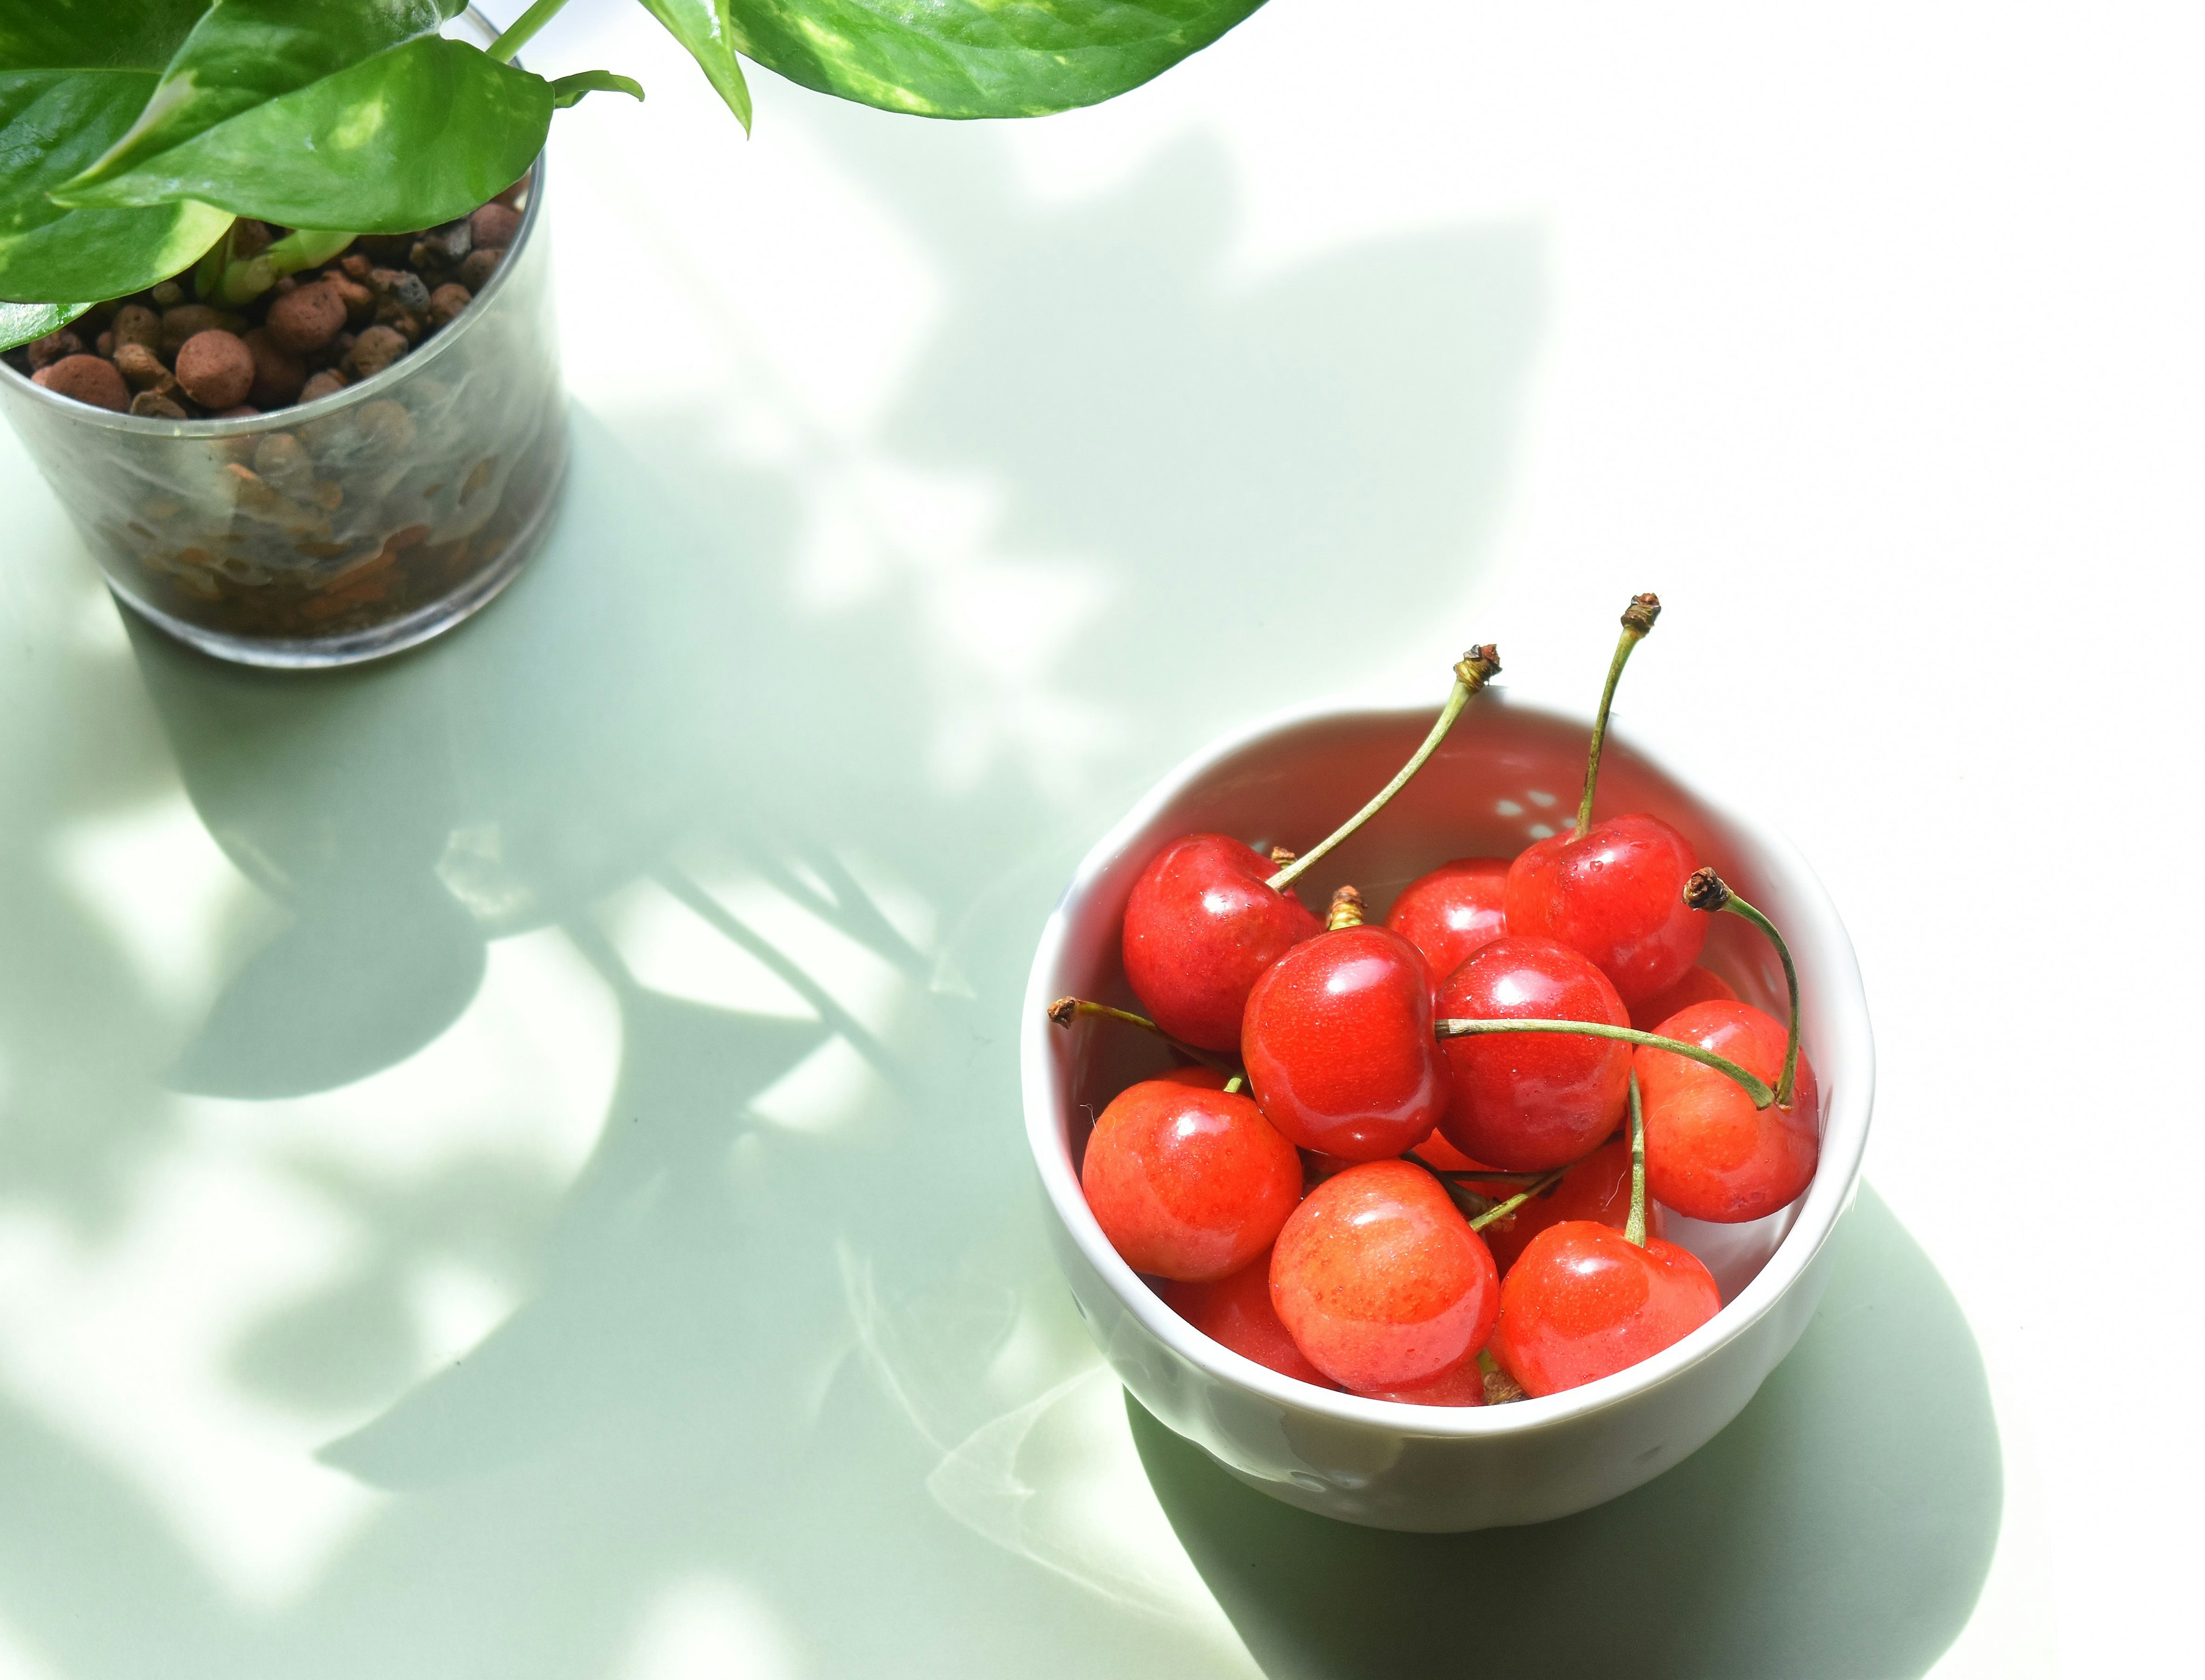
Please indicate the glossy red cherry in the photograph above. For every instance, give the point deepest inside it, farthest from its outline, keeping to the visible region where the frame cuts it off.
(1598, 1189)
(1584, 1303)
(1187, 1182)
(1338, 1042)
(1465, 1386)
(1711, 1154)
(1381, 1282)
(1436, 1151)
(1699, 985)
(1201, 925)
(1614, 893)
(1236, 1312)
(1527, 1101)
(1450, 913)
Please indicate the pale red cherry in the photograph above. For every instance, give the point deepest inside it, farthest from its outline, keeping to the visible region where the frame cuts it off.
(1527, 1101)
(1236, 1312)
(1614, 893)
(1450, 913)
(1711, 1154)
(1187, 1182)
(1585, 1303)
(1338, 1042)
(1465, 1386)
(1202, 923)
(1598, 1188)
(1381, 1282)
(1699, 985)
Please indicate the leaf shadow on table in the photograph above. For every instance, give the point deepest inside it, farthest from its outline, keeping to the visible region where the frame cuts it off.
(742, 1346)
(1840, 1528)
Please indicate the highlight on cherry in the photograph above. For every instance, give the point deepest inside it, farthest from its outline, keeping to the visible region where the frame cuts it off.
(1430, 1157)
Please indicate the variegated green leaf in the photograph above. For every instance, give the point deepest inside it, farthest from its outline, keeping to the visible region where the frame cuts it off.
(702, 27)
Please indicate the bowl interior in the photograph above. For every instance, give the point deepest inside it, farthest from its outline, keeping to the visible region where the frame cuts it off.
(1507, 774)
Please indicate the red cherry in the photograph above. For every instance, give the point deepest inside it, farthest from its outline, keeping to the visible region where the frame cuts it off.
(1465, 1386)
(1699, 985)
(1598, 1189)
(1187, 1182)
(1338, 1040)
(1203, 1079)
(1436, 1151)
(1236, 1312)
(1527, 1101)
(1381, 1282)
(1616, 894)
(1583, 1303)
(1201, 925)
(1711, 1154)
(1450, 913)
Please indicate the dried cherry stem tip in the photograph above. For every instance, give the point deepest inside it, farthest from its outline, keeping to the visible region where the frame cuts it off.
(1471, 673)
(1064, 1010)
(1347, 910)
(1744, 1078)
(1706, 890)
(1634, 1226)
(1637, 619)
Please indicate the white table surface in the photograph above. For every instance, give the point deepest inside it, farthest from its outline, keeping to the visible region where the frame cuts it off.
(510, 1162)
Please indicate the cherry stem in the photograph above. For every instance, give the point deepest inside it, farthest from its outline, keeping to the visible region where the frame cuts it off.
(1706, 890)
(1471, 673)
(1347, 910)
(1232, 1085)
(1751, 1084)
(1064, 1010)
(1637, 619)
(1500, 1210)
(1634, 1227)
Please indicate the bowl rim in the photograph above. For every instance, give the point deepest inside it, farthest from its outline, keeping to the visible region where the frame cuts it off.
(1846, 1068)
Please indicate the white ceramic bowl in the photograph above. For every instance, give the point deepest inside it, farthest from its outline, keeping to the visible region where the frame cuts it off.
(1506, 774)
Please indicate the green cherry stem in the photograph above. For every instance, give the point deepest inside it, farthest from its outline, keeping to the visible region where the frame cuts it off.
(1500, 1210)
(1706, 890)
(1634, 1228)
(1746, 1081)
(1637, 619)
(1232, 1085)
(1471, 673)
(1064, 1010)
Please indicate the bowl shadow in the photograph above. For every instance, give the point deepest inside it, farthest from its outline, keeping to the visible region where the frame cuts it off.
(1853, 1507)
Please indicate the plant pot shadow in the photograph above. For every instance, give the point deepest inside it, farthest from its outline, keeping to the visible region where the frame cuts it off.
(1842, 1526)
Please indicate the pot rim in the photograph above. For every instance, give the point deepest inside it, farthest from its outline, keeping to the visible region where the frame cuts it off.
(1846, 1067)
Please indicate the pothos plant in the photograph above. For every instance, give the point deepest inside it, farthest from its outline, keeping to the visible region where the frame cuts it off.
(135, 133)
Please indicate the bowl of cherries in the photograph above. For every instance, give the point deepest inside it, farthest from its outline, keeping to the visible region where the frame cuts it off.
(1475, 1164)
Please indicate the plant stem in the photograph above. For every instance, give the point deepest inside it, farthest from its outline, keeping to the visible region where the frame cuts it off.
(1501, 1210)
(1706, 890)
(1232, 1085)
(1347, 910)
(1064, 1010)
(523, 29)
(1751, 1084)
(1471, 673)
(1637, 619)
(1634, 1227)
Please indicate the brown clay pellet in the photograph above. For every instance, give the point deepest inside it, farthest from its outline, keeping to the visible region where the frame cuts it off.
(87, 379)
(494, 224)
(134, 323)
(375, 350)
(45, 352)
(358, 301)
(481, 263)
(446, 302)
(386, 425)
(308, 319)
(322, 384)
(215, 369)
(277, 373)
(283, 461)
(142, 370)
(187, 320)
(154, 405)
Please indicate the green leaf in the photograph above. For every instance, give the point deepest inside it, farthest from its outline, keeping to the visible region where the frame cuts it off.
(53, 122)
(244, 53)
(73, 75)
(568, 90)
(93, 34)
(21, 323)
(703, 28)
(975, 57)
(419, 134)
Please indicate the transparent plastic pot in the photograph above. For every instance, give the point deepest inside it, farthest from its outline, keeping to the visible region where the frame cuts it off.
(416, 496)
